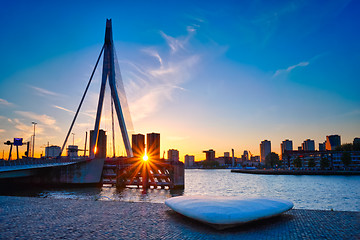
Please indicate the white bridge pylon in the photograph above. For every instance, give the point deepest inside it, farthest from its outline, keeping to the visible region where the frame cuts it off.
(109, 73)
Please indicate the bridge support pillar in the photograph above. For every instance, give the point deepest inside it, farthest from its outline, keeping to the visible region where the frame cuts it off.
(177, 175)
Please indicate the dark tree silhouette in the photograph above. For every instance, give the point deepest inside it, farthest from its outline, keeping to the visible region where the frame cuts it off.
(272, 159)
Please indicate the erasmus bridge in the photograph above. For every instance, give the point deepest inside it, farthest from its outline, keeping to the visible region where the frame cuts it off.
(124, 171)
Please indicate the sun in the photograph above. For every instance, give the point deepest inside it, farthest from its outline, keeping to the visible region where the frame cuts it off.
(145, 158)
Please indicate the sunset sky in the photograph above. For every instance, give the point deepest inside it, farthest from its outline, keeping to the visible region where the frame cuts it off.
(203, 74)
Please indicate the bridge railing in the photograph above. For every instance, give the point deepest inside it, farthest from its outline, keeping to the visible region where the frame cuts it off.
(37, 161)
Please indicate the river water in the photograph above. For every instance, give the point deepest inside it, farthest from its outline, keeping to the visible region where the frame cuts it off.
(340, 193)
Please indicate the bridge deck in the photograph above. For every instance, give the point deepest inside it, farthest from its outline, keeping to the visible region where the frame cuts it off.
(33, 166)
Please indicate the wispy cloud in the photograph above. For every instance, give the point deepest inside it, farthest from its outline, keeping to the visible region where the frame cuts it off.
(24, 130)
(289, 69)
(151, 85)
(5, 102)
(73, 112)
(153, 53)
(43, 91)
(43, 119)
(179, 43)
(2, 130)
(62, 108)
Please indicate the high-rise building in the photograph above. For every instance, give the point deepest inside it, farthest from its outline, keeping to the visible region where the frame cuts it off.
(286, 145)
(265, 149)
(308, 145)
(189, 160)
(322, 146)
(356, 141)
(226, 154)
(138, 145)
(332, 141)
(210, 155)
(100, 150)
(153, 145)
(173, 155)
(245, 156)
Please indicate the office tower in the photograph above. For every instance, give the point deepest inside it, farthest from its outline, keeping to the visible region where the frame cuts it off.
(138, 145)
(226, 154)
(233, 158)
(300, 148)
(100, 150)
(153, 146)
(356, 141)
(322, 146)
(210, 155)
(173, 155)
(245, 156)
(265, 149)
(286, 145)
(189, 160)
(332, 141)
(308, 145)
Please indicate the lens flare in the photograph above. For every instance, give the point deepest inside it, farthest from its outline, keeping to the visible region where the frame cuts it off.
(145, 158)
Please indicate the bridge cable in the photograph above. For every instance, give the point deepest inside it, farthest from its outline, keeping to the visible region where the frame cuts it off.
(82, 99)
(112, 123)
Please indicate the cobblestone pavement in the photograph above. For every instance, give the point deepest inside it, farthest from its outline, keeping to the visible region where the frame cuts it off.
(42, 218)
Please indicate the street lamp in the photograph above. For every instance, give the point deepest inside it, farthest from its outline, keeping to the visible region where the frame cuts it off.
(34, 123)
(73, 138)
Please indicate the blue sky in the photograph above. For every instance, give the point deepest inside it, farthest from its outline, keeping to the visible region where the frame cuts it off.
(203, 74)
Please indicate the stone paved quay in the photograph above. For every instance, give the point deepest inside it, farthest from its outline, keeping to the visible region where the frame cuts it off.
(42, 218)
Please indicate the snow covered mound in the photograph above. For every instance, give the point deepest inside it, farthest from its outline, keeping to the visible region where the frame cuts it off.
(223, 212)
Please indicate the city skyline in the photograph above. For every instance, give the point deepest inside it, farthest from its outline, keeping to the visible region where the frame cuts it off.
(213, 76)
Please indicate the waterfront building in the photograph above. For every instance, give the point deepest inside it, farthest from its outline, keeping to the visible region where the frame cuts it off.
(308, 145)
(333, 159)
(265, 149)
(100, 150)
(72, 151)
(332, 141)
(255, 159)
(322, 146)
(221, 161)
(52, 151)
(138, 145)
(245, 156)
(153, 145)
(173, 155)
(189, 160)
(286, 145)
(210, 155)
(225, 160)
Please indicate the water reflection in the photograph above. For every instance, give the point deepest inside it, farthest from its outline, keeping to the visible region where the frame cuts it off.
(307, 192)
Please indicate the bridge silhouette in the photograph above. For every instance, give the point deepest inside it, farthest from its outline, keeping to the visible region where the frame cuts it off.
(96, 168)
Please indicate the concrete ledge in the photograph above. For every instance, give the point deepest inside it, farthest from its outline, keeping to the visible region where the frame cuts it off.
(42, 218)
(295, 172)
